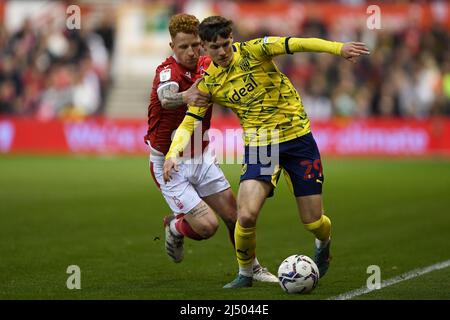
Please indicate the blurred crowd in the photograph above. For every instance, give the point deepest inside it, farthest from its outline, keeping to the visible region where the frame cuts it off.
(51, 72)
(48, 71)
(406, 75)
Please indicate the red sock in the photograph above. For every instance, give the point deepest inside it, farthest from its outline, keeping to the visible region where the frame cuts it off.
(185, 229)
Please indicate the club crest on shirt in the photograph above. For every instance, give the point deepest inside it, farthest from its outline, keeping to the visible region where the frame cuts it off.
(244, 65)
(165, 75)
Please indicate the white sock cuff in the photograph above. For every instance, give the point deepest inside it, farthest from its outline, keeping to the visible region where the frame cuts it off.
(256, 263)
(173, 228)
(247, 271)
(321, 244)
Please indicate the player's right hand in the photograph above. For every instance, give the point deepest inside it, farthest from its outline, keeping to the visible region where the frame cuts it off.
(352, 50)
(169, 164)
(194, 97)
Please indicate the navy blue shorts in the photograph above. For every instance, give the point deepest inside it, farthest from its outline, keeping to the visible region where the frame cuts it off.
(299, 159)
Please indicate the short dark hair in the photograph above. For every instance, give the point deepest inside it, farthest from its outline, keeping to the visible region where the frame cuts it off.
(215, 26)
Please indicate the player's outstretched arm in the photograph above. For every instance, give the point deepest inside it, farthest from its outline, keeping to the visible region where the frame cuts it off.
(171, 99)
(348, 50)
(273, 46)
(179, 143)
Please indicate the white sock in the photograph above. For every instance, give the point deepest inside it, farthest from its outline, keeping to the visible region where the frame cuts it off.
(256, 264)
(173, 228)
(321, 244)
(247, 271)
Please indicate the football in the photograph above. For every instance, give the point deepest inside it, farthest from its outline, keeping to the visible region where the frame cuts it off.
(298, 274)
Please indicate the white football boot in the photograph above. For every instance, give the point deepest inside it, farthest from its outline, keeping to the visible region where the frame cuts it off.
(263, 275)
(174, 243)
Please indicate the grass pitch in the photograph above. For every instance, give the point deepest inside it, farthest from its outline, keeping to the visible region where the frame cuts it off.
(105, 216)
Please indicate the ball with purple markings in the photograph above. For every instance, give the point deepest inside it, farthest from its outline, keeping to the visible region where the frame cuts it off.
(298, 274)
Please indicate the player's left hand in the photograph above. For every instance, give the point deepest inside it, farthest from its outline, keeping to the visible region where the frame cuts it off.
(169, 164)
(352, 50)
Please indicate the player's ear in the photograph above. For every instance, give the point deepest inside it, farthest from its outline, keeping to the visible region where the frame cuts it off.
(231, 36)
(171, 45)
(202, 48)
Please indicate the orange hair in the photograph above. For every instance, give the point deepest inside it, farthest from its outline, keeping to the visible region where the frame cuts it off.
(183, 22)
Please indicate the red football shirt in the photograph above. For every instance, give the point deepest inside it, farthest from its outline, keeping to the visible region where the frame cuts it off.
(162, 122)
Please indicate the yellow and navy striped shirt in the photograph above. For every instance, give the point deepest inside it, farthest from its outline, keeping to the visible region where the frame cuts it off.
(268, 106)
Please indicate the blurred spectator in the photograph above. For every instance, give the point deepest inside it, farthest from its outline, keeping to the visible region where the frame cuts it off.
(49, 71)
(87, 93)
(103, 50)
(317, 104)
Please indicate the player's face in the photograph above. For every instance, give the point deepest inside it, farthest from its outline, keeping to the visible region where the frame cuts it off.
(220, 51)
(187, 49)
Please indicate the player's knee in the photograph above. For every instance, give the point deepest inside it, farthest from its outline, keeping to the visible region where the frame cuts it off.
(208, 228)
(247, 218)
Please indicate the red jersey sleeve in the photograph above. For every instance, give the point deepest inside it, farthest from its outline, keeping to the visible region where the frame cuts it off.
(166, 75)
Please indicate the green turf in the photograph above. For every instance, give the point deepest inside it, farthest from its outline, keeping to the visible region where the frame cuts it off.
(105, 215)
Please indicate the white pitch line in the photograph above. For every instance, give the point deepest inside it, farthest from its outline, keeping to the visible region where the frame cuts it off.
(406, 276)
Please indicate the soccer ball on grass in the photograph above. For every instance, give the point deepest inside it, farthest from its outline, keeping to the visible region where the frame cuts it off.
(298, 274)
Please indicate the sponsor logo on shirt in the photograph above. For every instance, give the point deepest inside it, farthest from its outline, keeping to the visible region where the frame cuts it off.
(243, 91)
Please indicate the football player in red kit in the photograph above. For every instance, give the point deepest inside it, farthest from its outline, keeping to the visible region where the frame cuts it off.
(199, 188)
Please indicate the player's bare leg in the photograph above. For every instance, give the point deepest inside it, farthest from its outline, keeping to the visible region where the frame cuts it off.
(224, 204)
(202, 220)
(200, 223)
(311, 214)
(251, 197)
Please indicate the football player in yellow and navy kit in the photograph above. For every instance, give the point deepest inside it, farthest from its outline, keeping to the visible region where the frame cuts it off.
(277, 133)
